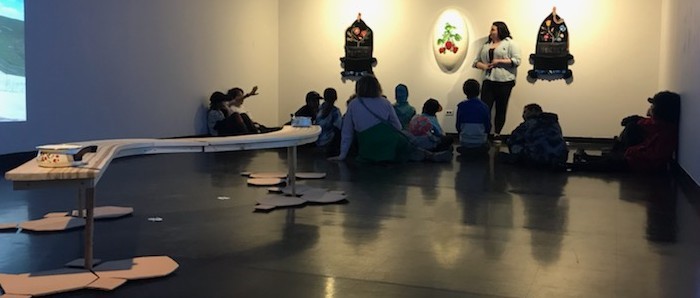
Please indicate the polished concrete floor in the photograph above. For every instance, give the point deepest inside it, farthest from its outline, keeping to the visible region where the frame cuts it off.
(476, 228)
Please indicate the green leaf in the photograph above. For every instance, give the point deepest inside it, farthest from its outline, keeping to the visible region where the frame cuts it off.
(458, 37)
(441, 41)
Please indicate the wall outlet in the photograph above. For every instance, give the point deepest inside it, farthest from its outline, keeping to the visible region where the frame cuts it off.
(449, 113)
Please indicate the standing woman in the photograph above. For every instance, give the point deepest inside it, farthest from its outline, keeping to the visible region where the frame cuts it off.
(499, 58)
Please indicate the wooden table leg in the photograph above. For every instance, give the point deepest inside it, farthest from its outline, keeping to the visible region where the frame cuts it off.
(89, 225)
(81, 202)
(292, 174)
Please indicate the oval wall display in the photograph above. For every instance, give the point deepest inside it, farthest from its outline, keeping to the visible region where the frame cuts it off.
(450, 40)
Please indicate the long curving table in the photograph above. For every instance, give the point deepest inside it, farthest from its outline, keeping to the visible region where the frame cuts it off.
(85, 178)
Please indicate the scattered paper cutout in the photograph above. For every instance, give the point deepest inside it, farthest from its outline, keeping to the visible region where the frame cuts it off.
(265, 181)
(264, 207)
(324, 196)
(300, 189)
(310, 175)
(269, 175)
(280, 200)
(47, 282)
(14, 296)
(51, 224)
(223, 198)
(107, 276)
(104, 212)
(155, 219)
(281, 175)
(61, 221)
(56, 214)
(8, 226)
(106, 284)
(80, 263)
(137, 268)
(283, 197)
(275, 189)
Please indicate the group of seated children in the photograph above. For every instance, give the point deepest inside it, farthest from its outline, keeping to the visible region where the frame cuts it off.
(377, 131)
(538, 140)
(374, 126)
(227, 117)
(645, 143)
(325, 115)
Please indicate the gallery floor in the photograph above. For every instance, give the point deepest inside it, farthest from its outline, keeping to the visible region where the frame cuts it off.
(476, 228)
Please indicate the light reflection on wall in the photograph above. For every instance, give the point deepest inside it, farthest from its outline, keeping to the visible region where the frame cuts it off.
(330, 288)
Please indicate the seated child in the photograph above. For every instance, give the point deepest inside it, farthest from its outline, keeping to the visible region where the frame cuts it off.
(426, 129)
(236, 107)
(218, 112)
(473, 121)
(403, 109)
(310, 109)
(645, 144)
(330, 120)
(538, 140)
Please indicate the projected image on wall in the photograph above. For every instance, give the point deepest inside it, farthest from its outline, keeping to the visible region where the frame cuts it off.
(12, 77)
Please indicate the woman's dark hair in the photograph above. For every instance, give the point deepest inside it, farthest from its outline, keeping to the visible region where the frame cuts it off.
(503, 31)
(431, 107)
(471, 88)
(329, 97)
(233, 92)
(216, 100)
(368, 86)
(667, 107)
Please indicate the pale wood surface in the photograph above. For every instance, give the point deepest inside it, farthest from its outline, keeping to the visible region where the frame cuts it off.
(97, 163)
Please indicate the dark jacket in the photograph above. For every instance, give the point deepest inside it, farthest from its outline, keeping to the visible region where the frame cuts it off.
(538, 140)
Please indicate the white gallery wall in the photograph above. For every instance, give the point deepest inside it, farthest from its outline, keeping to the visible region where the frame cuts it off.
(615, 45)
(130, 68)
(680, 65)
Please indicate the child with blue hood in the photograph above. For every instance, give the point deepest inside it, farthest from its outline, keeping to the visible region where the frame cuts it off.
(403, 110)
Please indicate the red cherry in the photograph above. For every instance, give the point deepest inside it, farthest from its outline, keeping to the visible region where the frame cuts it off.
(449, 45)
(454, 49)
(442, 50)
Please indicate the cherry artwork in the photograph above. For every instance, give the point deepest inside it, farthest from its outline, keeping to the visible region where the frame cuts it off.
(448, 40)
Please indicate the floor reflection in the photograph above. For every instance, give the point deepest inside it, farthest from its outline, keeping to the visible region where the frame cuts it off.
(545, 207)
(659, 193)
(471, 228)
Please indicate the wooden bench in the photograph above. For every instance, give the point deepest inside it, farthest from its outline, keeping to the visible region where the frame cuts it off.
(30, 175)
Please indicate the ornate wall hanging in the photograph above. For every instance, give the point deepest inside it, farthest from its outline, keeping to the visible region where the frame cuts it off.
(551, 59)
(450, 40)
(358, 58)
